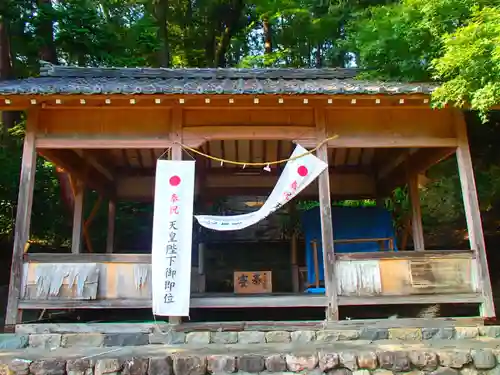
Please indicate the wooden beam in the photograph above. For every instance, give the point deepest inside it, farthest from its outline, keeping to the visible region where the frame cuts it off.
(419, 162)
(146, 258)
(76, 237)
(341, 185)
(97, 164)
(78, 168)
(373, 141)
(416, 213)
(332, 310)
(23, 218)
(208, 133)
(110, 239)
(91, 142)
(473, 215)
(232, 301)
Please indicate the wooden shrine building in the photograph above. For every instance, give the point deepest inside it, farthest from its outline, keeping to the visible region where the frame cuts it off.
(105, 127)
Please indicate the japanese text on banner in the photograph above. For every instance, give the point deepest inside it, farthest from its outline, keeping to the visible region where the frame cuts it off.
(172, 237)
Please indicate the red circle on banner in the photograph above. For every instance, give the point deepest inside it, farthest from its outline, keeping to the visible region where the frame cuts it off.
(302, 170)
(175, 180)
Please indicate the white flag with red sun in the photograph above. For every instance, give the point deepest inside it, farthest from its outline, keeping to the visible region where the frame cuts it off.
(172, 237)
(296, 176)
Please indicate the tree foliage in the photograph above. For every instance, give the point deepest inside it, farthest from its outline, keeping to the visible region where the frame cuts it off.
(454, 42)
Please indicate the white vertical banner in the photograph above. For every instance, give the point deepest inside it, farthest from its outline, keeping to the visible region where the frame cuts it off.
(172, 237)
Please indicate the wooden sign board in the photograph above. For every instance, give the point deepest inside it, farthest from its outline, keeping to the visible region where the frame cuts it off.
(253, 282)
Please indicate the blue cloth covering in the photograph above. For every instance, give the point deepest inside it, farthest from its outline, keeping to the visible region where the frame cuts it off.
(348, 223)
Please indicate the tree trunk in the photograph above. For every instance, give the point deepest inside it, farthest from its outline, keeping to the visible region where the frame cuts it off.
(8, 118)
(318, 59)
(268, 36)
(231, 25)
(161, 17)
(45, 32)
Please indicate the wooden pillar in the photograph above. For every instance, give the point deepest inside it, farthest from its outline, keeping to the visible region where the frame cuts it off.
(76, 237)
(293, 249)
(416, 213)
(23, 220)
(201, 268)
(473, 215)
(332, 310)
(110, 240)
(176, 136)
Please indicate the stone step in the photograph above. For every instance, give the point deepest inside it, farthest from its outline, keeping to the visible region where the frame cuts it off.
(165, 334)
(383, 357)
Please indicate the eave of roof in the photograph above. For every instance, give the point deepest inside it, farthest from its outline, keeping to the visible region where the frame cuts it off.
(61, 80)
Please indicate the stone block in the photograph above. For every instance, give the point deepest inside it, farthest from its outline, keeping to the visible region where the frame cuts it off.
(80, 367)
(361, 372)
(382, 372)
(407, 334)
(337, 335)
(190, 365)
(251, 337)
(277, 336)
(446, 333)
(348, 360)
(490, 331)
(48, 367)
(470, 371)
(198, 338)
(275, 363)
(455, 359)
(303, 336)
(20, 366)
(224, 337)
(484, 359)
(299, 362)
(135, 366)
(424, 360)
(84, 340)
(444, 371)
(395, 361)
(126, 339)
(327, 360)
(49, 341)
(251, 363)
(217, 364)
(466, 332)
(108, 366)
(160, 366)
(13, 341)
(339, 371)
(413, 372)
(168, 338)
(373, 334)
(367, 360)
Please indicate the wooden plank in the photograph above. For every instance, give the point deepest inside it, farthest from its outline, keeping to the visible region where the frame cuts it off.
(76, 237)
(110, 239)
(389, 142)
(439, 254)
(92, 160)
(473, 215)
(328, 247)
(258, 301)
(23, 218)
(146, 258)
(91, 142)
(416, 213)
(208, 133)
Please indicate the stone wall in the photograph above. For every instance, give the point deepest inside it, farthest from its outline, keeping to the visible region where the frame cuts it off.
(165, 334)
(369, 361)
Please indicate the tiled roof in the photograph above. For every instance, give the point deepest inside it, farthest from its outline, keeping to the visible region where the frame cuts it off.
(75, 80)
